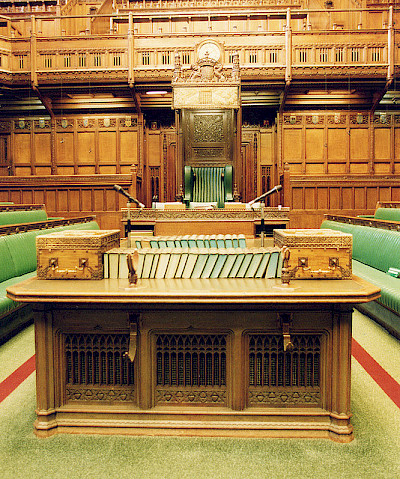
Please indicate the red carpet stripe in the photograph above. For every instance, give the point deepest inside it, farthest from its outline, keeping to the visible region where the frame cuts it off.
(384, 380)
(16, 378)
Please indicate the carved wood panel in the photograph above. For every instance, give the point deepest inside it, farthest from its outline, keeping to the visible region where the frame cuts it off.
(208, 137)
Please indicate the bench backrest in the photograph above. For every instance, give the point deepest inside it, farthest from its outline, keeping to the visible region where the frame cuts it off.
(390, 214)
(22, 216)
(375, 247)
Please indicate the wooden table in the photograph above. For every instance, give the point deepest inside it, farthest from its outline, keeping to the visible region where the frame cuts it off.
(209, 356)
(205, 221)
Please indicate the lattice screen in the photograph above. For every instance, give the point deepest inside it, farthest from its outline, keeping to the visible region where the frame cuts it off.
(278, 376)
(191, 368)
(97, 361)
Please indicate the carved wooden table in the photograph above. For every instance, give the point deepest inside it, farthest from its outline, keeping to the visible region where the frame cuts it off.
(211, 357)
(205, 221)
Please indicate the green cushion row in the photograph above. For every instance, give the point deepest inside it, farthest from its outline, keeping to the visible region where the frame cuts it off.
(376, 247)
(21, 216)
(390, 287)
(389, 214)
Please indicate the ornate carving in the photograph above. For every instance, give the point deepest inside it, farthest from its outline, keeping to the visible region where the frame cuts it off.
(5, 125)
(270, 213)
(359, 119)
(64, 124)
(22, 124)
(279, 397)
(128, 122)
(201, 153)
(100, 394)
(185, 396)
(292, 119)
(86, 123)
(107, 122)
(208, 128)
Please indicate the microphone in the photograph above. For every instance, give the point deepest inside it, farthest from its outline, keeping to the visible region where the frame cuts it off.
(131, 199)
(264, 195)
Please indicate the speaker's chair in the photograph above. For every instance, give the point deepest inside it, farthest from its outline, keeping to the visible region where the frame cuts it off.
(208, 184)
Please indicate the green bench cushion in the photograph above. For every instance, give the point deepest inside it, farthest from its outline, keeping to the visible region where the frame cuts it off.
(390, 287)
(375, 247)
(6, 304)
(7, 268)
(390, 214)
(21, 216)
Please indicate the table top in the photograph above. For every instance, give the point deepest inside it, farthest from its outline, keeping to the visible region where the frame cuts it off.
(195, 291)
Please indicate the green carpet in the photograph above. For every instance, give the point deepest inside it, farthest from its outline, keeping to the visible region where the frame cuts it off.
(375, 453)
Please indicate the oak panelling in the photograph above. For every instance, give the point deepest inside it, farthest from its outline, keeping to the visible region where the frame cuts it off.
(64, 148)
(293, 145)
(154, 148)
(86, 148)
(359, 145)
(42, 149)
(108, 148)
(22, 149)
(314, 144)
(309, 198)
(382, 143)
(128, 142)
(337, 145)
(71, 196)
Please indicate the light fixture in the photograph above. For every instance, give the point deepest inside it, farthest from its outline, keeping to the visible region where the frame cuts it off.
(156, 92)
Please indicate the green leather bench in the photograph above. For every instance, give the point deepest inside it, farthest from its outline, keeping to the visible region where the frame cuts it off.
(13, 217)
(375, 251)
(18, 262)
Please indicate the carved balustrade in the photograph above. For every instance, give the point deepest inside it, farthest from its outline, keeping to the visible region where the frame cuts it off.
(359, 52)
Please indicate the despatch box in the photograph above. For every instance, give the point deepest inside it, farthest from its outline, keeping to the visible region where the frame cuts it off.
(74, 254)
(314, 253)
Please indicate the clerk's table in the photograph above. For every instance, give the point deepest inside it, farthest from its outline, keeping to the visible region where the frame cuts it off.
(209, 357)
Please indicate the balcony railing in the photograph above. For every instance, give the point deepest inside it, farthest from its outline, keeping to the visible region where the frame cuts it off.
(285, 53)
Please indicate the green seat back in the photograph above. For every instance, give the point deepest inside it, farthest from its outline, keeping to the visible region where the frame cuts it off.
(22, 248)
(20, 216)
(375, 247)
(208, 184)
(7, 268)
(390, 214)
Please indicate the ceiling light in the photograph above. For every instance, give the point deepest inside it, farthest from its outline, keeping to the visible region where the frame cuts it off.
(156, 92)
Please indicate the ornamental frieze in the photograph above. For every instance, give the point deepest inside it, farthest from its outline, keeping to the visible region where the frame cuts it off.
(216, 214)
(289, 397)
(184, 396)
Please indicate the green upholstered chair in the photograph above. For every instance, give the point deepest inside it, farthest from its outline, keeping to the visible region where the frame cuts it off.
(208, 184)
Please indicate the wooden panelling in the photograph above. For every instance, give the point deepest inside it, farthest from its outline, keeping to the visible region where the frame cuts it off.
(359, 145)
(337, 144)
(22, 149)
(309, 198)
(293, 145)
(82, 145)
(314, 141)
(382, 143)
(154, 150)
(86, 148)
(128, 141)
(64, 148)
(108, 148)
(71, 196)
(43, 148)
